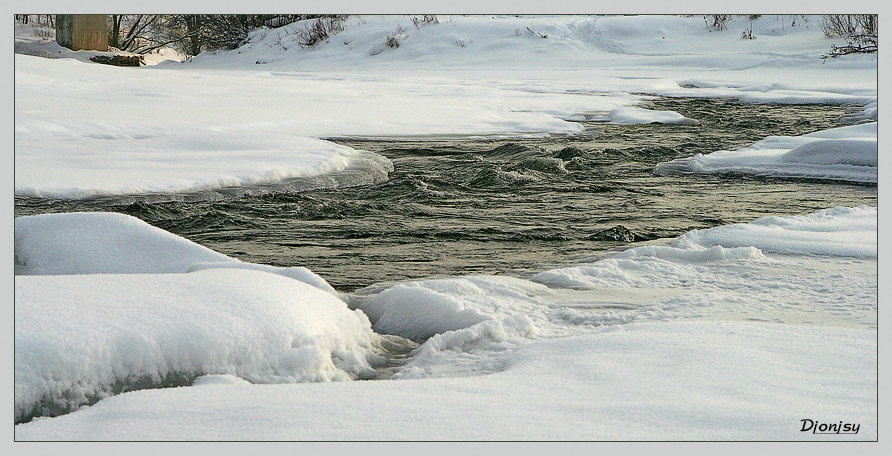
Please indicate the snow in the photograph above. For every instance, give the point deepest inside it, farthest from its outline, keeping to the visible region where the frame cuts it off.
(688, 341)
(845, 153)
(628, 116)
(420, 310)
(737, 332)
(102, 243)
(112, 243)
(702, 380)
(841, 231)
(127, 162)
(80, 337)
(299, 273)
(261, 114)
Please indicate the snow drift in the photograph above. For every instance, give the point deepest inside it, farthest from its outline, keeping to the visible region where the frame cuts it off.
(80, 338)
(703, 380)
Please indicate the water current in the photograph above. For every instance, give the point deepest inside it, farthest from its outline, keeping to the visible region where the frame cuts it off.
(457, 206)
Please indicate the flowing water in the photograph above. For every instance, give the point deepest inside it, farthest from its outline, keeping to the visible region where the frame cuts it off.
(466, 206)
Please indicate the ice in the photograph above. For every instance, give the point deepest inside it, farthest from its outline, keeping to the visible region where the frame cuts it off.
(842, 231)
(845, 153)
(418, 310)
(629, 116)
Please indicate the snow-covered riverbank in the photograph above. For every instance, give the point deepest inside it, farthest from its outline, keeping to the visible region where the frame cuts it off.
(738, 332)
(720, 335)
(259, 114)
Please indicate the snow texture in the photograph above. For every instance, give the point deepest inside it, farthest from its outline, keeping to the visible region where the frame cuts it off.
(704, 380)
(102, 243)
(83, 337)
(629, 116)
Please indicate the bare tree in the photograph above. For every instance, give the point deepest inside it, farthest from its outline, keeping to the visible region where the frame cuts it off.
(143, 33)
(859, 30)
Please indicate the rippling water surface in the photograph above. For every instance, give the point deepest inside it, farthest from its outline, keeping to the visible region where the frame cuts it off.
(460, 206)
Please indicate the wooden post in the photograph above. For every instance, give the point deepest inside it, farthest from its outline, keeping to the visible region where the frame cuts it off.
(82, 31)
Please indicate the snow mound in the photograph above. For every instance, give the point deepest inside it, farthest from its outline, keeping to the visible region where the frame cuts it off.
(846, 154)
(219, 380)
(81, 338)
(628, 116)
(419, 310)
(867, 113)
(102, 243)
(112, 243)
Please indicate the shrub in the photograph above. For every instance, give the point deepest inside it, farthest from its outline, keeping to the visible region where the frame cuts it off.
(425, 20)
(320, 30)
(719, 21)
(859, 30)
(531, 32)
(393, 39)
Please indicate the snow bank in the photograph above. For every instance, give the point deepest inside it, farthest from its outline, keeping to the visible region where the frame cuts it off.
(102, 243)
(732, 271)
(92, 159)
(658, 335)
(253, 115)
(81, 338)
(705, 380)
(112, 243)
(867, 113)
(846, 153)
(106, 302)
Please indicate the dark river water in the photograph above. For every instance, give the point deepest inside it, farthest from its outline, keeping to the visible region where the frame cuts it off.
(454, 207)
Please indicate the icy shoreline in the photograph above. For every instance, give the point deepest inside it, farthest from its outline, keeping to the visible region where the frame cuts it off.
(848, 154)
(479, 334)
(249, 116)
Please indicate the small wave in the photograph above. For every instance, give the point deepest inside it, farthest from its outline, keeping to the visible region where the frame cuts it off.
(545, 165)
(496, 176)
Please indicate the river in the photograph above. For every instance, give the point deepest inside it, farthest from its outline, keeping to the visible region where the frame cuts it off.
(458, 206)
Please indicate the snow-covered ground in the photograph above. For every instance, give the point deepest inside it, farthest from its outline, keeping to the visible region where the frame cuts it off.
(738, 332)
(260, 113)
(687, 341)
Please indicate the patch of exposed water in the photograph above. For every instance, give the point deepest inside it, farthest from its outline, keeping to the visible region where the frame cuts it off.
(457, 207)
